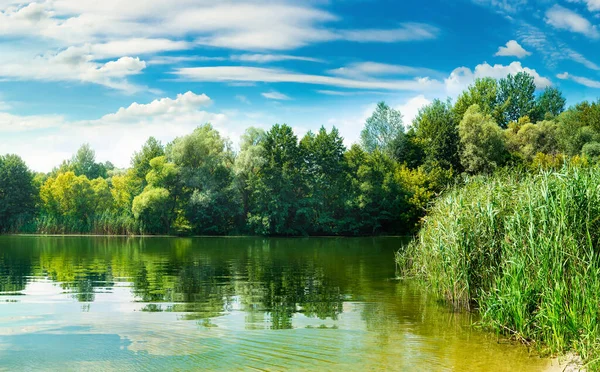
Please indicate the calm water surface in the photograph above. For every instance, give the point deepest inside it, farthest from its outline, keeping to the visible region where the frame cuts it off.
(87, 303)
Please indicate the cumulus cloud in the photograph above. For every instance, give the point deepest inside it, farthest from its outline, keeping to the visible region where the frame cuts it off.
(512, 49)
(410, 108)
(592, 5)
(114, 136)
(75, 65)
(462, 77)
(565, 19)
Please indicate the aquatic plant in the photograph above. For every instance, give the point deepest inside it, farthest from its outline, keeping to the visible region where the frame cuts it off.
(523, 249)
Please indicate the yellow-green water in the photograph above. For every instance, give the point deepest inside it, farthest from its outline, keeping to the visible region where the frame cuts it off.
(91, 303)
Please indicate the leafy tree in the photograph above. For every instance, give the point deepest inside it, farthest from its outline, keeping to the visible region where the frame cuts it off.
(324, 171)
(482, 142)
(591, 151)
(248, 164)
(278, 194)
(437, 129)
(140, 161)
(516, 97)
(549, 104)
(383, 130)
(153, 208)
(17, 193)
(69, 200)
(84, 163)
(484, 93)
(205, 161)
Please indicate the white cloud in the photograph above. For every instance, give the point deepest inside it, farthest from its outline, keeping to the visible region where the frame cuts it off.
(276, 96)
(242, 99)
(552, 50)
(462, 77)
(505, 6)
(410, 109)
(592, 5)
(512, 49)
(242, 74)
(251, 26)
(566, 19)
(75, 65)
(366, 69)
(580, 80)
(114, 136)
(267, 58)
(406, 32)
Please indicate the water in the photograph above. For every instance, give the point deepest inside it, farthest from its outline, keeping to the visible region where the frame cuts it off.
(88, 303)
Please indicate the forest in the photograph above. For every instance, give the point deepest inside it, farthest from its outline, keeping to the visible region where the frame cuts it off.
(277, 184)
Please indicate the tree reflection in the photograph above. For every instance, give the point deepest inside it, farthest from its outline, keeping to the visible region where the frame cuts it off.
(269, 279)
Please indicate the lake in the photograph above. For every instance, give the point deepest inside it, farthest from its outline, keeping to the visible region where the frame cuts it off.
(111, 303)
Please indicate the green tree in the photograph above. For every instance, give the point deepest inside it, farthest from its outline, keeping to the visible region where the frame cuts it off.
(140, 161)
(549, 104)
(484, 93)
(437, 130)
(482, 142)
(278, 193)
(248, 164)
(324, 172)
(516, 97)
(384, 130)
(153, 208)
(205, 161)
(84, 163)
(17, 193)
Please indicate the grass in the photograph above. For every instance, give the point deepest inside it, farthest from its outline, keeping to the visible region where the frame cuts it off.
(524, 251)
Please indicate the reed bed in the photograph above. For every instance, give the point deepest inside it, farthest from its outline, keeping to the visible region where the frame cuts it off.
(523, 250)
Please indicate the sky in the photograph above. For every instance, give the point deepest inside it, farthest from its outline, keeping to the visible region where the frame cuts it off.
(112, 73)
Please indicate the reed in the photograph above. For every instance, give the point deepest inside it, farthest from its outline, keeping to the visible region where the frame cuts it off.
(523, 250)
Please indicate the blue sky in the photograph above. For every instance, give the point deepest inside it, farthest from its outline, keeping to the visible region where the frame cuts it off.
(113, 73)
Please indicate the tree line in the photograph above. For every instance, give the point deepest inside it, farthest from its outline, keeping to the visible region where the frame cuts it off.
(278, 184)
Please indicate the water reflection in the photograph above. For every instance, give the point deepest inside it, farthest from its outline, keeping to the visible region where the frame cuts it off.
(228, 303)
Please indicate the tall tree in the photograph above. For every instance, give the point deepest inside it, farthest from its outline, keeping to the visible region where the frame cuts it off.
(550, 103)
(280, 190)
(437, 129)
(324, 172)
(140, 161)
(484, 93)
(384, 130)
(17, 193)
(84, 163)
(516, 97)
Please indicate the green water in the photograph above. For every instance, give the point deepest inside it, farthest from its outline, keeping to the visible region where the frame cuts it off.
(88, 303)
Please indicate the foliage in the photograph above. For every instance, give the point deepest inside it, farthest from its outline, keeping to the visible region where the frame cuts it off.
(482, 142)
(516, 97)
(17, 194)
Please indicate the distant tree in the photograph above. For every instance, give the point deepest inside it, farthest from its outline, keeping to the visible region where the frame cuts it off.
(205, 161)
(549, 104)
(84, 163)
(140, 161)
(280, 189)
(437, 130)
(516, 97)
(482, 142)
(17, 193)
(324, 173)
(383, 130)
(484, 93)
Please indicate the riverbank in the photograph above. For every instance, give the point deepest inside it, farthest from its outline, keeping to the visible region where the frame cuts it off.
(523, 250)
